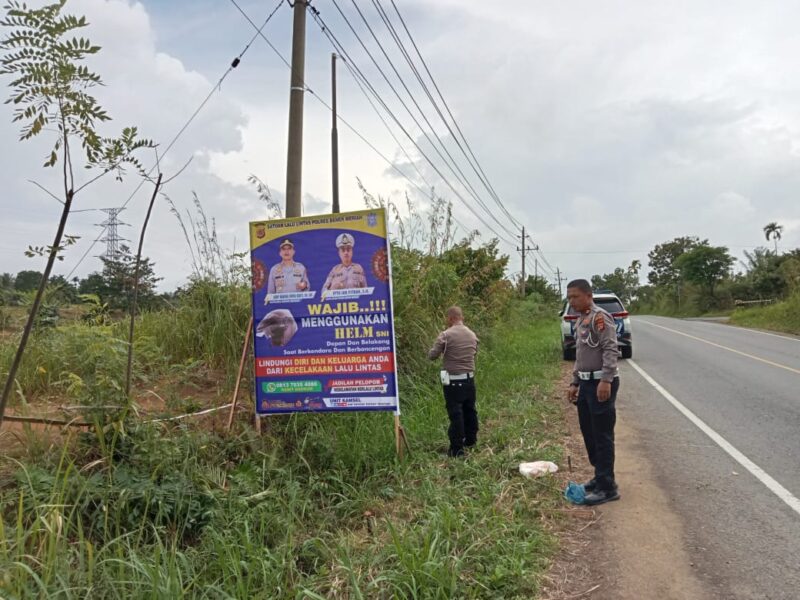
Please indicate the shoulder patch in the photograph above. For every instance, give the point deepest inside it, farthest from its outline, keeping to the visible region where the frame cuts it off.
(599, 322)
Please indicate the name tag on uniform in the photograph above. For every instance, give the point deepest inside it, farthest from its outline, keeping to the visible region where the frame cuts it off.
(445, 377)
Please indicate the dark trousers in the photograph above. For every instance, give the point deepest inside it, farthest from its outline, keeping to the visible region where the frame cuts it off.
(597, 421)
(459, 397)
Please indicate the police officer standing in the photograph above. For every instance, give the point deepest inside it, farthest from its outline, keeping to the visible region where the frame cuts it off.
(287, 275)
(347, 274)
(459, 345)
(595, 382)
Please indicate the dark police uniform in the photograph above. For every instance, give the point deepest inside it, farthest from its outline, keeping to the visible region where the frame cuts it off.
(459, 345)
(596, 360)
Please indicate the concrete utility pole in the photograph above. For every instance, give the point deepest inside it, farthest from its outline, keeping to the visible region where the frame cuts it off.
(334, 138)
(560, 279)
(524, 249)
(294, 164)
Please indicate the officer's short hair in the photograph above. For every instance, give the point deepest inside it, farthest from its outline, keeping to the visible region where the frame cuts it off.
(580, 284)
(455, 312)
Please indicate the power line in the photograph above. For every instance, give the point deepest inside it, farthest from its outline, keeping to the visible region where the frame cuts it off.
(394, 137)
(476, 166)
(339, 116)
(412, 162)
(217, 86)
(463, 180)
(471, 158)
(335, 42)
(345, 57)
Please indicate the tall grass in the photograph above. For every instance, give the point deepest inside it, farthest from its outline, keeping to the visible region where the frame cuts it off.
(782, 316)
(318, 508)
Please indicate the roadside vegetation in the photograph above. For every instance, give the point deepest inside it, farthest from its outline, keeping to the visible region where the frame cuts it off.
(781, 316)
(690, 277)
(314, 506)
(317, 506)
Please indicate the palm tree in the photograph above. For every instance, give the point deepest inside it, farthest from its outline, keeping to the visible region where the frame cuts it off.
(773, 231)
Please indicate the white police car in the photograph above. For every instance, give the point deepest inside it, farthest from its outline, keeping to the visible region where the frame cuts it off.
(609, 302)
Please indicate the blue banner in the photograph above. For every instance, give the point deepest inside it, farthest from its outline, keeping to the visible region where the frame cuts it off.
(322, 314)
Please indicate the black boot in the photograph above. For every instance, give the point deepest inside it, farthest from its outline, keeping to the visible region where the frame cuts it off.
(601, 496)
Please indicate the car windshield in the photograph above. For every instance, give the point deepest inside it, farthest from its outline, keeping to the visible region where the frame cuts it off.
(611, 305)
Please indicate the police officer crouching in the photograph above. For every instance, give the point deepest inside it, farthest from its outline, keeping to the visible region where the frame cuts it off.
(595, 382)
(458, 345)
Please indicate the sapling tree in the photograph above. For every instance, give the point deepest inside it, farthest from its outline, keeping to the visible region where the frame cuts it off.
(50, 91)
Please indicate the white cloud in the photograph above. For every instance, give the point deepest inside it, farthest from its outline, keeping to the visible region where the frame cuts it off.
(605, 127)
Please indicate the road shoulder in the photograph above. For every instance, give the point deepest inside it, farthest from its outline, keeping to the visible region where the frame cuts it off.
(624, 550)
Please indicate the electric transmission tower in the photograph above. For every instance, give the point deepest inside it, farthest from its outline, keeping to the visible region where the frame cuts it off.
(112, 238)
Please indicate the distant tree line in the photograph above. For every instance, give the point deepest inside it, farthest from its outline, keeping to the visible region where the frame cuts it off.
(111, 287)
(689, 275)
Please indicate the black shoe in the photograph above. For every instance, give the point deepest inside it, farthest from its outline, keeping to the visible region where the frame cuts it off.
(455, 453)
(590, 485)
(470, 444)
(601, 496)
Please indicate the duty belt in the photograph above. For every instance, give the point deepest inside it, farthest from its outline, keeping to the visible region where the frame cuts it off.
(462, 376)
(590, 375)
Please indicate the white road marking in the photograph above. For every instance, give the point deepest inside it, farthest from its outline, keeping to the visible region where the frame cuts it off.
(776, 488)
(728, 348)
(777, 335)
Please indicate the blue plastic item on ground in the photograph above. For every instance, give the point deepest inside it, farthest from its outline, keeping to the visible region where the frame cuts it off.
(575, 493)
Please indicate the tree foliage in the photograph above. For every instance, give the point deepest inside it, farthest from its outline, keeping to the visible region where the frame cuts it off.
(50, 88)
(537, 284)
(114, 286)
(773, 231)
(27, 281)
(623, 282)
(705, 266)
(662, 259)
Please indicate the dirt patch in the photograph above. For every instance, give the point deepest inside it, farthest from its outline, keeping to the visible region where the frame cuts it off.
(626, 550)
(165, 399)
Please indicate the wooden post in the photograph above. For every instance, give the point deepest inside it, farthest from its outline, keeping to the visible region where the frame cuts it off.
(398, 443)
(245, 347)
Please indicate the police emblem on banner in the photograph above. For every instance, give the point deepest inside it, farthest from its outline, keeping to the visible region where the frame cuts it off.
(323, 347)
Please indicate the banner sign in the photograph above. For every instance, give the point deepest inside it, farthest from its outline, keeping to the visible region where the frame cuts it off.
(322, 314)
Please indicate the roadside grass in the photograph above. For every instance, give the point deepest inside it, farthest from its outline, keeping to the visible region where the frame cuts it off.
(781, 316)
(318, 507)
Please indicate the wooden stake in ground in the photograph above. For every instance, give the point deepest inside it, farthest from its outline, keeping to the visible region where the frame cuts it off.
(400, 439)
(398, 447)
(235, 398)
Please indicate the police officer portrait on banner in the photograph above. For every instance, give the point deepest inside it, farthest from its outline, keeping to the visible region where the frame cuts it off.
(287, 275)
(594, 387)
(347, 274)
(458, 346)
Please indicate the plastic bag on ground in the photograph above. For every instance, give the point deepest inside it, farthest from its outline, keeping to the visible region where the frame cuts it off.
(575, 493)
(537, 468)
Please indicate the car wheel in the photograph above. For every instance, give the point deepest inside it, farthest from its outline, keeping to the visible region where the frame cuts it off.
(569, 353)
(627, 352)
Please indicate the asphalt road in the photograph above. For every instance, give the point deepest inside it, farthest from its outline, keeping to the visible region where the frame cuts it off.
(741, 523)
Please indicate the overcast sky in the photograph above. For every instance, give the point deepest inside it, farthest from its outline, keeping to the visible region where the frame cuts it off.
(605, 127)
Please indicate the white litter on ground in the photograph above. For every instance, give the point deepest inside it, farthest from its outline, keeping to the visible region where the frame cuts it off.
(537, 468)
